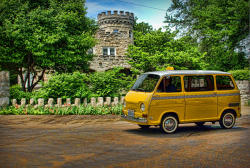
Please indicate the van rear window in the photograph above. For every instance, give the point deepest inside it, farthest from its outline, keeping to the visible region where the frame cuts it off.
(198, 83)
(224, 82)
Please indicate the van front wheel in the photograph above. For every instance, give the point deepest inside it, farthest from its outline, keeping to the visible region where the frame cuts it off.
(169, 124)
(227, 120)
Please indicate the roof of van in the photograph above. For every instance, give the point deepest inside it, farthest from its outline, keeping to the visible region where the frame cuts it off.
(187, 72)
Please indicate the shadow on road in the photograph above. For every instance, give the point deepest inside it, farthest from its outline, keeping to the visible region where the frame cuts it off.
(184, 131)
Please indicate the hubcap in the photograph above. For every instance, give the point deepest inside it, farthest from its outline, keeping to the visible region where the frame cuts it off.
(169, 124)
(228, 120)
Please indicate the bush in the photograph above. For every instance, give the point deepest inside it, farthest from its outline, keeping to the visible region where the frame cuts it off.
(240, 74)
(81, 110)
(65, 86)
(110, 83)
(16, 92)
(80, 85)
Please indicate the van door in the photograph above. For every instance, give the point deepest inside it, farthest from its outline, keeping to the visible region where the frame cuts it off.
(200, 98)
(169, 97)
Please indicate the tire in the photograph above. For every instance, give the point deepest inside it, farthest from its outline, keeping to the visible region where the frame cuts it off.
(169, 124)
(144, 126)
(200, 124)
(227, 120)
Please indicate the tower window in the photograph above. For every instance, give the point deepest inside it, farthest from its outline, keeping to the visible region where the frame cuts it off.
(105, 51)
(130, 34)
(108, 50)
(112, 51)
(90, 51)
(115, 31)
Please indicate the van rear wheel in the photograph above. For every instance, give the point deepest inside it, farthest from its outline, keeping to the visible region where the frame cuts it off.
(169, 124)
(227, 120)
(200, 124)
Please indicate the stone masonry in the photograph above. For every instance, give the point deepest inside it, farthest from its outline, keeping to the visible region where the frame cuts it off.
(4, 88)
(114, 36)
(244, 86)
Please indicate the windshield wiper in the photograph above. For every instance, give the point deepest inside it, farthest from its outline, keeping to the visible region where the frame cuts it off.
(139, 89)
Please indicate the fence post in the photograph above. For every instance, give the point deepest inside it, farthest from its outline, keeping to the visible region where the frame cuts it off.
(40, 102)
(85, 102)
(14, 102)
(32, 101)
(50, 102)
(23, 102)
(93, 101)
(108, 101)
(68, 102)
(77, 102)
(59, 102)
(100, 101)
(122, 100)
(116, 101)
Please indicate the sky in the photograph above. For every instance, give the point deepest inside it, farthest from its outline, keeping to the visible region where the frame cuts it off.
(149, 11)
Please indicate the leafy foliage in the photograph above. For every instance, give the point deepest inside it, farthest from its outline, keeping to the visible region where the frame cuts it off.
(47, 34)
(243, 74)
(157, 50)
(65, 86)
(110, 83)
(142, 27)
(81, 110)
(218, 26)
(80, 85)
(17, 93)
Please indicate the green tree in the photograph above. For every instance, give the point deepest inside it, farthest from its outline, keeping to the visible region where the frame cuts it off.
(157, 50)
(142, 27)
(218, 26)
(42, 35)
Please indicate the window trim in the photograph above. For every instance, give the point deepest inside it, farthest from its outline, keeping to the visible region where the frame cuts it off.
(108, 51)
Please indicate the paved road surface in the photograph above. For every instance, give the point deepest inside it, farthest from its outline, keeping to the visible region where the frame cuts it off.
(95, 142)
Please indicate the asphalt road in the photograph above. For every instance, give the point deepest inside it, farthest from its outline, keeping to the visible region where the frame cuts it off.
(97, 141)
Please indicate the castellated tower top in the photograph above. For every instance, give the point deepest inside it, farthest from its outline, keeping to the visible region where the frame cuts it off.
(115, 18)
(114, 35)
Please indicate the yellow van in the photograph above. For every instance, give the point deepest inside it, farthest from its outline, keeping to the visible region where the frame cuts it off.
(172, 97)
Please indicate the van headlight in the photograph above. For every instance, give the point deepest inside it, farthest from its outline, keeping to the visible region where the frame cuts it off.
(142, 107)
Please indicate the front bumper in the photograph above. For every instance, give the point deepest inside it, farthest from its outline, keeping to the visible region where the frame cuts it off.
(129, 118)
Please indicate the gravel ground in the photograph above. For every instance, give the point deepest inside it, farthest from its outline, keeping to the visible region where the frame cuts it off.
(107, 141)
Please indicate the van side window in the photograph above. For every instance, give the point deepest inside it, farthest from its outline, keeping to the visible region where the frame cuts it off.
(224, 82)
(170, 84)
(199, 83)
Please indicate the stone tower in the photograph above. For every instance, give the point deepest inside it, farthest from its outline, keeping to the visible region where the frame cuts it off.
(114, 35)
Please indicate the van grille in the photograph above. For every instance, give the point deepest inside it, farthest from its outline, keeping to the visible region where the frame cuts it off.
(132, 106)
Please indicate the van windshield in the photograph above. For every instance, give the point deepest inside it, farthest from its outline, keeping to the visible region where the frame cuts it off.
(146, 83)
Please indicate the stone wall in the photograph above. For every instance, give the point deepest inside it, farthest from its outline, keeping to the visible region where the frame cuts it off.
(244, 87)
(4, 88)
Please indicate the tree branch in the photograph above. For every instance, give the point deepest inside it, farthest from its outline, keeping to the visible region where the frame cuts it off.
(38, 80)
